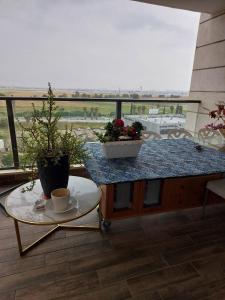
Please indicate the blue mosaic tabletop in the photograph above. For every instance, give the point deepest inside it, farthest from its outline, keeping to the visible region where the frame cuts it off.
(157, 159)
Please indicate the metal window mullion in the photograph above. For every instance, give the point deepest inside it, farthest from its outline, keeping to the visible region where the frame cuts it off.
(12, 132)
(118, 109)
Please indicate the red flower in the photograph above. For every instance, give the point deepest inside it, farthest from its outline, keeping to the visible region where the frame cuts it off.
(118, 123)
(213, 114)
(131, 132)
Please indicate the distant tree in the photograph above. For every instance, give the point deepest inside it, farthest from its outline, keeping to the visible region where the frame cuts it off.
(134, 96)
(96, 112)
(161, 96)
(3, 122)
(177, 112)
(64, 95)
(2, 94)
(27, 116)
(92, 112)
(174, 96)
(77, 94)
(125, 96)
(85, 112)
(171, 109)
(143, 109)
(131, 108)
(85, 95)
(44, 95)
(109, 95)
(181, 110)
(147, 96)
(96, 95)
(139, 110)
(7, 159)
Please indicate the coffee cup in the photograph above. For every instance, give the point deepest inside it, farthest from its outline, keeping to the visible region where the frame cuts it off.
(60, 199)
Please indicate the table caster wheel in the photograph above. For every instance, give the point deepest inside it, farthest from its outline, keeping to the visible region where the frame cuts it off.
(106, 225)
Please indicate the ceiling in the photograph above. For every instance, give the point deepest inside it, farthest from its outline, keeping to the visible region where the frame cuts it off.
(207, 6)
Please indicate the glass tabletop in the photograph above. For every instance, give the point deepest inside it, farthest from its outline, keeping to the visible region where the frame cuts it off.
(84, 196)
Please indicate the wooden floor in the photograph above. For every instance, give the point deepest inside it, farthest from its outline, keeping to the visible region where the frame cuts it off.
(168, 256)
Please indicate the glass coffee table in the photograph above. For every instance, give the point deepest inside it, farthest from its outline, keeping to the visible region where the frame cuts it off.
(85, 197)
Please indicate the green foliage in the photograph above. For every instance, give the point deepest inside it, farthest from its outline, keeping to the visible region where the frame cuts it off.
(134, 96)
(43, 139)
(3, 122)
(64, 95)
(7, 159)
(138, 127)
(101, 137)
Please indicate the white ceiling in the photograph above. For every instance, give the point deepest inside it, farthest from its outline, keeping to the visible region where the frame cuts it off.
(207, 6)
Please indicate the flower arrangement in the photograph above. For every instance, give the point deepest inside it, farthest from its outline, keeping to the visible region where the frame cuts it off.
(219, 116)
(116, 131)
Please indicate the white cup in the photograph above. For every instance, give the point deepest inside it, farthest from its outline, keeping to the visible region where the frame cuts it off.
(60, 199)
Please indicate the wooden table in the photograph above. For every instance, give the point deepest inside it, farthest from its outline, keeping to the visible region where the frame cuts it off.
(167, 175)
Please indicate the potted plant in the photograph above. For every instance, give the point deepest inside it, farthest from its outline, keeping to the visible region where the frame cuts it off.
(219, 118)
(46, 149)
(121, 141)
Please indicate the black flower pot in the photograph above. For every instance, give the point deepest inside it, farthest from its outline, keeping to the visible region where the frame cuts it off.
(53, 175)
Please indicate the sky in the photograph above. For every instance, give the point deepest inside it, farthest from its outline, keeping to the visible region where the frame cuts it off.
(96, 44)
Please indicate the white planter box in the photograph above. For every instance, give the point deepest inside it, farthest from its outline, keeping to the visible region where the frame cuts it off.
(121, 148)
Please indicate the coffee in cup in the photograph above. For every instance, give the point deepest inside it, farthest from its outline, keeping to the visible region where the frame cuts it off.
(60, 199)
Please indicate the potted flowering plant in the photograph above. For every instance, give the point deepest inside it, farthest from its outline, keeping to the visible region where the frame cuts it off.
(121, 141)
(219, 119)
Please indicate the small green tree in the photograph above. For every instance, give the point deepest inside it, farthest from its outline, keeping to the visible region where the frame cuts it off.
(42, 139)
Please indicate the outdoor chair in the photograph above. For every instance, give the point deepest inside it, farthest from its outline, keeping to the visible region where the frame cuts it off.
(150, 135)
(178, 134)
(207, 135)
(217, 187)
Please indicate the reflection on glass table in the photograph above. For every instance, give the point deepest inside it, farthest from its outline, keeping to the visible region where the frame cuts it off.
(85, 197)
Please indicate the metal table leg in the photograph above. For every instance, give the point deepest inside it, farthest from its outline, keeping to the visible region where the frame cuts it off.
(205, 203)
(24, 250)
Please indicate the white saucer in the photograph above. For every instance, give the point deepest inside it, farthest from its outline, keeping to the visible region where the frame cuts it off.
(70, 207)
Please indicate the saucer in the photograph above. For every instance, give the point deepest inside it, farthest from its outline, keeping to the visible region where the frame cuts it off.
(70, 207)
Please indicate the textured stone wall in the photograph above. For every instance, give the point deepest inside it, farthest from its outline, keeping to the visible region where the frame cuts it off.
(208, 77)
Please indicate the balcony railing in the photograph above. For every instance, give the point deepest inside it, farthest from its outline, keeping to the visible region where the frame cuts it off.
(90, 113)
